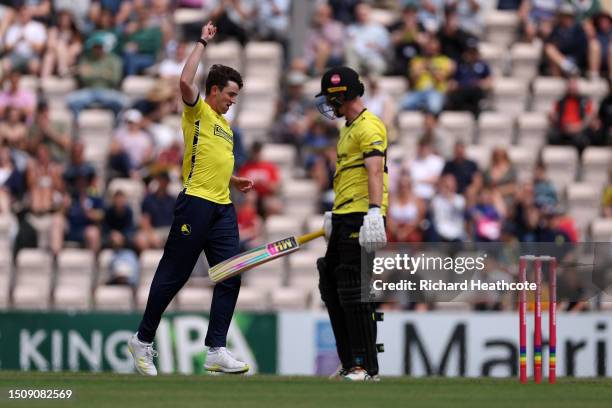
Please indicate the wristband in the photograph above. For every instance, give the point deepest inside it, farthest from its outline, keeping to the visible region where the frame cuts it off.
(373, 206)
(203, 42)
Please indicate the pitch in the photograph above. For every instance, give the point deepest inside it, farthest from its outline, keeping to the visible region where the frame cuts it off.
(104, 390)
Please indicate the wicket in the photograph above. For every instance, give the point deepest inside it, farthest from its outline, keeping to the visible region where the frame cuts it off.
(552, 318)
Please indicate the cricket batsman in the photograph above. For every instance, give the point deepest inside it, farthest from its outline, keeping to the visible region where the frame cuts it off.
(204, 216)
(356, 221)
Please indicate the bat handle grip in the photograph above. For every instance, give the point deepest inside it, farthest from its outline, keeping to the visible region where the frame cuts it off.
(309, 237)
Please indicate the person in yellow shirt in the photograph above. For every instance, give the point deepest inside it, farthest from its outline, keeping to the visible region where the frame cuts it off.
(355, 222)
(429, 76)
(204, 216)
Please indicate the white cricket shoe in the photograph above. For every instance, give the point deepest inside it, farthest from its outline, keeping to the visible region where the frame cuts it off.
(220, 360)
(339, 373)
(359, 374)
(143, 354)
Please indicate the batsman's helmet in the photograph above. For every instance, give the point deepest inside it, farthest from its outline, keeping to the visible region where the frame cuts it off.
(338, 85)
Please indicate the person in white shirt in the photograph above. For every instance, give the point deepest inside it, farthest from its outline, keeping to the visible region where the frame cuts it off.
(425, 169)
(368, 43)
(24, 43)
(448, 211)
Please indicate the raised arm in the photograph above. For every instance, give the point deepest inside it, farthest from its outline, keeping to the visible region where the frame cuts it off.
(189, 91)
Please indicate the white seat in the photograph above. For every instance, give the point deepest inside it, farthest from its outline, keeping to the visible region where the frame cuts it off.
(29, 82)
(96, 121)
(481, 154)
(525, 60)
(493, 55)
(268, 275)
(546, 91)
(283, 155)
(411, 125)
(255, 124)
(225, 53)
(601, 230)
(561, 164)
(312, 87)
(33, 279)
(303, 271)
(382, 16)
(596, 89)
(583, 204)
(74, 279)
(71, 297)
(510, 95)
(252, 299)
(292, 298)
(532, 129)
(137, 86)
(596, 161)
(459, 124)
(308, 282)
(188, 15)
(263, 59)
(523, 158)
(301, 197)
(57, 88)
(395, 86)
(113, 297)
(279, 226)
(62, 118)
(501, 27)
(303, 262)
(194, 298)
(258, 91)
(495, 129)
(149, 260)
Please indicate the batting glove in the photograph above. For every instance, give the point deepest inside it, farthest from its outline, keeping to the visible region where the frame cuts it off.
(327, 225)
(372, 234)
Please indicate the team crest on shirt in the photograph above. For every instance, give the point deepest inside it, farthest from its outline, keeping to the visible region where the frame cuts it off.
(186, 229)
(219, 131)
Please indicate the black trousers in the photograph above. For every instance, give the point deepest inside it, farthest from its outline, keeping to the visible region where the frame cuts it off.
(198, 225)
(341, 286)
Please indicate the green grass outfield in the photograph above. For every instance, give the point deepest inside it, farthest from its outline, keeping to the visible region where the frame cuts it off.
(174, 391)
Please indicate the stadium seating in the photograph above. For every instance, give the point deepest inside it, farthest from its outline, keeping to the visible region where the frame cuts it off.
(75, 274)
(495, 129)
(583, 203)
(33, 276)
(596, 162)
(561, 164)
(532, 129)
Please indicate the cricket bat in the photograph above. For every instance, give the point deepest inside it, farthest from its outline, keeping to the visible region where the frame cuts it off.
(257, 256)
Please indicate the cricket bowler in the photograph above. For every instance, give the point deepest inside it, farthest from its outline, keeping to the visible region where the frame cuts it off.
(356, 221)
(204, 216)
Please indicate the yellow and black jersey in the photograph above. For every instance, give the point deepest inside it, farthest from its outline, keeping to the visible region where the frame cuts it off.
(208, 161)
(364, 137)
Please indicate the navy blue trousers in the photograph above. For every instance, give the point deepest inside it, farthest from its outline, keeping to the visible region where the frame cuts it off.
(198, 225)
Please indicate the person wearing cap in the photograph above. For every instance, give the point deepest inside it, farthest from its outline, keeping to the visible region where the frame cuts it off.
(99, 73)
(568, 49)
(131, 147)
(471, 82)
(204, 216)
(355, 222)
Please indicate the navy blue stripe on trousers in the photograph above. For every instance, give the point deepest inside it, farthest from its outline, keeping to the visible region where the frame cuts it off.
(198, 225)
